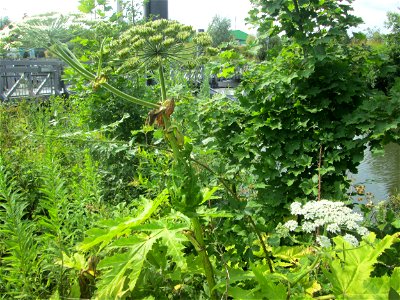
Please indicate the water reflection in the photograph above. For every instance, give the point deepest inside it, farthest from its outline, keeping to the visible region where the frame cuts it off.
(380, 173)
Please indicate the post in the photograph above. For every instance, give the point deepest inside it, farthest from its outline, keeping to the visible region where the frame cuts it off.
(119, 10)
(158, 9)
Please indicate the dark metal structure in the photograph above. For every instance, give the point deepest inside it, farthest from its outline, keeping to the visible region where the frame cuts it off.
(157, 9)
(30, 78)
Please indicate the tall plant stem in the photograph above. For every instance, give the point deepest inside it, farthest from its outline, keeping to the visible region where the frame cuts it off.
(67, 56)
(253, 224)
(264, 247)
(198, 239)
(301, 276)
(319, 172)
(202, 252)
(162, 83)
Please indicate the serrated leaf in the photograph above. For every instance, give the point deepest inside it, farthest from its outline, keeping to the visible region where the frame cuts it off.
(268, 287)
(349, 274)
(209, 194)
(104, 236)
(122, 266)
(291, 254)
(171, 236)
(213, 212)
(396, 224)
(395, 280)
(111, 283)
(174, 241)
(239, 293)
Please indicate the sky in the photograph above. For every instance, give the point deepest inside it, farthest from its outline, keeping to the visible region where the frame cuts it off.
(199, 13)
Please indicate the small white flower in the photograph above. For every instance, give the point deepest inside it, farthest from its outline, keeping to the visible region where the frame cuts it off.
(291, 225)
(334, 228)
(308, 227)
(324, 241)
(295, 208)
(331, 215)
(351, 224)
(319, 222)
(351, 239)
(362, 231)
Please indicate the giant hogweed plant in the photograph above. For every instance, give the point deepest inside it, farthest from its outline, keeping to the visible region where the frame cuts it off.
(128, 246)
(153, 45)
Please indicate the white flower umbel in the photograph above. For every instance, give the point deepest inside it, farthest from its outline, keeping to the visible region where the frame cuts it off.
(324, 241)
(351, 239)
(332, 217)
(291, 225)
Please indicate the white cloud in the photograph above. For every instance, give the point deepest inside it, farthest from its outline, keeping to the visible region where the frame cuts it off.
(373, 12)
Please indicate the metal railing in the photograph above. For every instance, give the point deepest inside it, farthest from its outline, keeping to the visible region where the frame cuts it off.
(29, 78)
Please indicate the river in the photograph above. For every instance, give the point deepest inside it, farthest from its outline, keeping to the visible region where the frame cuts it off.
(380, 173)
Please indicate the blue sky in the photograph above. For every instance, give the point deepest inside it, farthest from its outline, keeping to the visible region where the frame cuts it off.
(199, 13)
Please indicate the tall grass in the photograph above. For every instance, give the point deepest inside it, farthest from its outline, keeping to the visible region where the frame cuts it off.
(19, 256)
(54, 195)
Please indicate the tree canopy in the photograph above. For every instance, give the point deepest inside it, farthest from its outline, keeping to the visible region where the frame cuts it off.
(219, 30)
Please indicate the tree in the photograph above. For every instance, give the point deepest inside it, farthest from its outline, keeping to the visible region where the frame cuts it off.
(219, 30)
(306, 114)
(393, 22)
(4, 21)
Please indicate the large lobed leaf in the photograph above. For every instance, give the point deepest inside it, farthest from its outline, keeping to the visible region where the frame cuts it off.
(122, 266)
(350, 273)
(103, 236)
(122, 270)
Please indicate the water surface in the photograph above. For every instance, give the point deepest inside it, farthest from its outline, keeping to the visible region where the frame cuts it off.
(380, 173)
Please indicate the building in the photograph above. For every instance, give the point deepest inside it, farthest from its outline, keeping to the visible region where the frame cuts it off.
(239, 36)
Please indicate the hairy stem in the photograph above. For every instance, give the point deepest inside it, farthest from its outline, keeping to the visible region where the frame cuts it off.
(202, 252)
(162, 83)
(311, 268)
(198, 239)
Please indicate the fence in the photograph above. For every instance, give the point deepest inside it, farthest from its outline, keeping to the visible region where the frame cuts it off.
(30, 78)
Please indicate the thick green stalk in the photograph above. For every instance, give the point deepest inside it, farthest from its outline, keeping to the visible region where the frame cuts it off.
(162, 83)
(202, 252)
(198, 239)
(67, 56)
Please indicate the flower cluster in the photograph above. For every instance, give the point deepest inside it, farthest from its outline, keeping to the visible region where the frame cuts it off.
(333, 217)
(158, 42)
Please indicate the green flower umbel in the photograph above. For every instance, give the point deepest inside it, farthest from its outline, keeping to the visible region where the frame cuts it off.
(159, 42)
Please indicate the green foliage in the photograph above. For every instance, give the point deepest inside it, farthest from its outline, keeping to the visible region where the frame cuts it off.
(219, 30)
(4, 21)
(349, 273)
(309, 112)
(19, 251)
(126, 246)
(55, 203)
(307, 22)
(393, 22)
(77, 207)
